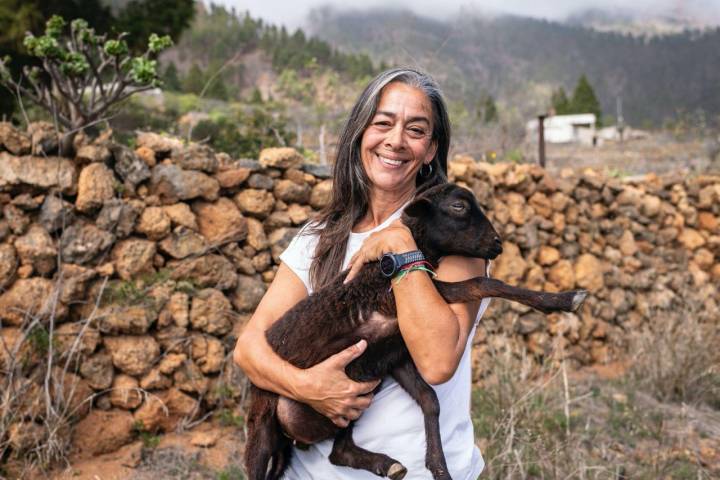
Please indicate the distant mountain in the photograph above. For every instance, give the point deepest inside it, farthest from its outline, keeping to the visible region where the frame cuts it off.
(521, 60)
(642, 24)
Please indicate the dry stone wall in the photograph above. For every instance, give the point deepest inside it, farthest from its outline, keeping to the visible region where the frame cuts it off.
(141, 265)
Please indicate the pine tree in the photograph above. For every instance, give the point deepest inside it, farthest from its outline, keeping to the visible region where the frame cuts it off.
(171, 80)
(194, 81)
(584, 99)
(560, 102)
(488, 109)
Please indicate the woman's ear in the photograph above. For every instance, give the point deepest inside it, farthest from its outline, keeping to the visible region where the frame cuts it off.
(432, 150)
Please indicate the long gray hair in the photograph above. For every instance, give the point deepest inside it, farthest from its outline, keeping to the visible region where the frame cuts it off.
(351, 186)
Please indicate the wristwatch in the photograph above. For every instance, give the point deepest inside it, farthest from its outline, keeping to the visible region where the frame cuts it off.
(391, 263)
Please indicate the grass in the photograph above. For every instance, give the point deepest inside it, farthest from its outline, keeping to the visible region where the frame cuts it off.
(541, 424)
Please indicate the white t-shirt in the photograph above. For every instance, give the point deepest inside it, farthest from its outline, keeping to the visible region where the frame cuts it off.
(393, 424)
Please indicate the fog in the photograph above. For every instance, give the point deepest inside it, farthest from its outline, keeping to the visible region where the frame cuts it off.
(293, 13)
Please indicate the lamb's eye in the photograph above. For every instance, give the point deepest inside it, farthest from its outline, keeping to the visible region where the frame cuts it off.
(458, 206)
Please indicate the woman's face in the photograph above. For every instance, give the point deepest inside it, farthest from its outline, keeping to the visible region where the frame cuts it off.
(397, 142)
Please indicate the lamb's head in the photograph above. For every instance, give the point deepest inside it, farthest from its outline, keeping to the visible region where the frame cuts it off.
(446, 220)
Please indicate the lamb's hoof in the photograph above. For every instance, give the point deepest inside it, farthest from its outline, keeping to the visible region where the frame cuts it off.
(396, 471)
(578, 299)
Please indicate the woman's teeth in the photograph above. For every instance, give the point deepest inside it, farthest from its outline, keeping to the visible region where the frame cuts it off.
(394, 163)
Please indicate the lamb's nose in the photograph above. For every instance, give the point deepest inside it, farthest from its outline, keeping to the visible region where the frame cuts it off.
(498, 241)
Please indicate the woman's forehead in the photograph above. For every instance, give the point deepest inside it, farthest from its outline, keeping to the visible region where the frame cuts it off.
(401, 99)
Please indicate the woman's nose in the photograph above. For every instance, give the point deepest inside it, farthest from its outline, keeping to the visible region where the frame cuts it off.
(394, 138)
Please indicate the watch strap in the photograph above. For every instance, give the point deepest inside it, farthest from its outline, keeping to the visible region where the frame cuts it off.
(408, 258)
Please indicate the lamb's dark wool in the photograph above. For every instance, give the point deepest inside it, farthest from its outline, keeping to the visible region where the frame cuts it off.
(444, 220)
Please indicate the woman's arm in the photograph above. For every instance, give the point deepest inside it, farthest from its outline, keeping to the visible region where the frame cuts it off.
(434, 331)
(325, 387)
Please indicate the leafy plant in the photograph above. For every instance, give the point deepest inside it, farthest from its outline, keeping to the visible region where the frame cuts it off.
(82, 75)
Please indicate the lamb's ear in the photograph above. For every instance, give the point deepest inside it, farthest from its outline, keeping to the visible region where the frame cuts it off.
(419, 208)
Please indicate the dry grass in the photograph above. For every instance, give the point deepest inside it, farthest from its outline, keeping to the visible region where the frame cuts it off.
(538, 424)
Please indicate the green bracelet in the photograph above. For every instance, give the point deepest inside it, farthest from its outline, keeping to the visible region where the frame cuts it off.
(404, 272)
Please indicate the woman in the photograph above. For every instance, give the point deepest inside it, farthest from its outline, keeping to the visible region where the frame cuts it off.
(397, 137)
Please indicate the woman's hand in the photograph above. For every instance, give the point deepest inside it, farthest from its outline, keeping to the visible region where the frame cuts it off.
(327, 389)
(396, 238)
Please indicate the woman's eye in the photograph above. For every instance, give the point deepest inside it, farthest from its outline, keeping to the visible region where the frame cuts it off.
(417, 132)
(381, 123)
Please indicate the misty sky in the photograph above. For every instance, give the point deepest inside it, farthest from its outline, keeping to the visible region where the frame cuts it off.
(293, 13)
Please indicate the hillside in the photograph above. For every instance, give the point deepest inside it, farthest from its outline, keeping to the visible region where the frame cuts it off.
(520, 60)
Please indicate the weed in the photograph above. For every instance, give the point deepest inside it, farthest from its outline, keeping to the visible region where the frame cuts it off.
(228, 418)
(231, 472)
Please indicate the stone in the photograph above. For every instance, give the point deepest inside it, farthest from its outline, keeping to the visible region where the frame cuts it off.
(172, 338)
(213, 271)
(260, 181)
(146, 155)
(256, 237)
(562, 275)
(125, 392)
(103, 431)
(119, 216)
(510, 266)
(172, 184)
(282, 158)
(258, 203)
(155, 380)
(708, 222)
(24, 436)
(627, 244)
(171, 362)
(38, 249)
(248, 293)
(232, 178)
(691, 238)
(31, 297)
(133, 256)
(133, 355)
(704, 258)
(189, 378)
(279, 240)
(321, 194)
(28, 202)
(278, 219)
(76, 337)
(589, 272)
(55, 213)
(44, 137)
(181, 214)
(530, 322)
(162, 145)
(205, 439)
(124, 319)
(289, 191)
(709, 196)
(14, 141)
(196, 157)
(211, 312)
(95, 186)
(166, 411)
(13, 350)
(8, 264)
(650, 205)
(129, 166)
(16, 219)
(207, 352)
(220, 222)
(558, 201)
(43, 173)
(548, 255)
(154, 223)
(98, 371)
(261, 261)
(82, 242)
(74, 392)
(93, 153)
(298, 214)
(183, 243)
(542, 204)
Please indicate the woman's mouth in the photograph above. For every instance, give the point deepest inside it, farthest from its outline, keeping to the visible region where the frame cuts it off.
(390, 162)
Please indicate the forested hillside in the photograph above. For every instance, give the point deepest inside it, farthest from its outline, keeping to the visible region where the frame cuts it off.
(520, 60)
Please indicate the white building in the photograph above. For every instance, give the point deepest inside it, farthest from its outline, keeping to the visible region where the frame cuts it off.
(578, 128)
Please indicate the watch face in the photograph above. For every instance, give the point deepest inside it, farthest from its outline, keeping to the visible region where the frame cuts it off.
(387, 265)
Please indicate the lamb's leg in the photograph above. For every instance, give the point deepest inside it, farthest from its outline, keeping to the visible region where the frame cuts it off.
(409, 378)
(263, 433)
(281, 459)
(346, 454)
(483, 287)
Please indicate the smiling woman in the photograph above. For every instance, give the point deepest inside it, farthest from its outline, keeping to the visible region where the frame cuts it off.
(396, 139)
